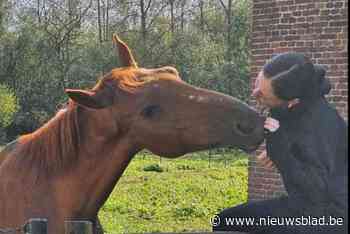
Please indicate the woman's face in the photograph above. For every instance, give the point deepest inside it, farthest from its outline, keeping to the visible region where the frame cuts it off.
(263, 92)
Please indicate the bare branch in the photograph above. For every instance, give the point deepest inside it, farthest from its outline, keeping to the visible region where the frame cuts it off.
(148, 6)
(223, 5)
(156, 15)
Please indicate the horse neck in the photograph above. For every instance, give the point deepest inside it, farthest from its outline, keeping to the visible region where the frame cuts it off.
(102, 161)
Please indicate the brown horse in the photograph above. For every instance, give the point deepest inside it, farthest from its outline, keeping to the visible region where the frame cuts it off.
(67, 169)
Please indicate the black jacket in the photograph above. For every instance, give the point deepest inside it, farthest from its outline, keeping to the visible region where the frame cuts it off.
(310, 149)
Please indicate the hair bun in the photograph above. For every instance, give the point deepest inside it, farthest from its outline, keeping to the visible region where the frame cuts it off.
(295, 76)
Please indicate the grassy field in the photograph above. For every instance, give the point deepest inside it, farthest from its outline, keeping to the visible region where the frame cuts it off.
(175, 195)
(162, 195)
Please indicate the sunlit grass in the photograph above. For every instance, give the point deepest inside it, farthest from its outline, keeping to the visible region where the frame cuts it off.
(175, 195)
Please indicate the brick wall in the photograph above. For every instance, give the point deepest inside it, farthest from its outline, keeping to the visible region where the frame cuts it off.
(317, 28)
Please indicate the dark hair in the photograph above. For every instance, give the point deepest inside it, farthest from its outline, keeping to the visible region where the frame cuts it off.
(295, 76)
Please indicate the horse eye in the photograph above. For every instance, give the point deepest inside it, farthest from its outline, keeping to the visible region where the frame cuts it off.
(150, 111)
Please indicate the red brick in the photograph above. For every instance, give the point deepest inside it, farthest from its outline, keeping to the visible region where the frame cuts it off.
(300, 43)
(263, 5)
(259, 27)
(284, 26)
(276, 38)
(341, 61)
(344, 93)
(260, 45)
(336, 73)
(338, 4)
(297, 13)
(281, 50)
(262, 51)
(259, 40)
(258, 192)
(283, 43)
(342, 86)
(286, 3)
(261, 57)
(293, 8)
(289, 20)
(326, 61)
(291, 43)
(303, 7)
(291, 38)
(284, 8)
(320, 24)
(317, 55)
(259, 63)
(328, 36)
(332, 30)
(301, 19)
(301, 1)
(344, 12)
(311, 12)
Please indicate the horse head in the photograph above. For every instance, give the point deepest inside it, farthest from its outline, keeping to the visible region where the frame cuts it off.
(155, 110)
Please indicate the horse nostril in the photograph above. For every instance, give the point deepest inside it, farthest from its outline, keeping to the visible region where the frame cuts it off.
(245, 129)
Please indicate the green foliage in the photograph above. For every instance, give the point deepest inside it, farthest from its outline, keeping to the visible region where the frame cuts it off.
(8, 106)
(241, 163)
(8, 109)
(38, 60)
(153, 167)
(181, 199)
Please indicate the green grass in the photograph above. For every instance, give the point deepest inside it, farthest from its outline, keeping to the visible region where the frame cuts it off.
(177, 195)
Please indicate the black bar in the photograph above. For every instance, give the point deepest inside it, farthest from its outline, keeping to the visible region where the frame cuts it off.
(220, 232)
(36, 226)
(78, 227)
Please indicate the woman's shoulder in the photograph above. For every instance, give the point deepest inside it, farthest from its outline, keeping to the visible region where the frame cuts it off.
(322, 112)
(321, 121)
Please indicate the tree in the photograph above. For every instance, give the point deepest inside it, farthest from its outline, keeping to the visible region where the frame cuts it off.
(144, 8)
(99, 21)
(1, 16)
(228, 15)
(4, 5)
(61, 43)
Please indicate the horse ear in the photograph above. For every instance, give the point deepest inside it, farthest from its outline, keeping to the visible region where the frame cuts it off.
(125, 55)
(93, 99)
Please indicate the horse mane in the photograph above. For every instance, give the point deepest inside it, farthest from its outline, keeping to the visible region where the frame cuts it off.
(54, 146)
(129, 79)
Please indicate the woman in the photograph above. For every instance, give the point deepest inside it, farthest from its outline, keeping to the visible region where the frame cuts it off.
(307, 142)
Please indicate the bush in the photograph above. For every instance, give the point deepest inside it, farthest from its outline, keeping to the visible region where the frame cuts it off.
(8, 108)
(153, 167)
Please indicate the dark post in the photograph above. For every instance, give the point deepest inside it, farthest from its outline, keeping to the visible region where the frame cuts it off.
(36, 226)
(78, 227)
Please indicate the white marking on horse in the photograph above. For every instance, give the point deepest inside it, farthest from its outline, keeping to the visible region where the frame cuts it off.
(191, 97)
